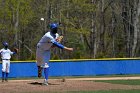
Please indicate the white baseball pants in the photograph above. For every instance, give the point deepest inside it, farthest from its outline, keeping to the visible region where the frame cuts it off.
(6, 66)
(42, 57)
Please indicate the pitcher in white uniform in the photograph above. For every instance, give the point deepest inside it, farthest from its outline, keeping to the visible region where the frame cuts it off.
(43, 50)
(5, 57)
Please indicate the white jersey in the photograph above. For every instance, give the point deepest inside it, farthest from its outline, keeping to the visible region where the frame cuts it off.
(45, 42)
(6, 53)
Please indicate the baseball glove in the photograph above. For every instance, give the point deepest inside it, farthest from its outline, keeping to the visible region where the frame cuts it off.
(59, 39)
(15, 50)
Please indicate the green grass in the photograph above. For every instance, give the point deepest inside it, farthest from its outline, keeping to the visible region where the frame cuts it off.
(102, 91)
(108, 91)
(124, 82)
(60, 77)
(100, 76)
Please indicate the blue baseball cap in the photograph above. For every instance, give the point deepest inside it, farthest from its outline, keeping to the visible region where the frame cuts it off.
(5, 43)
(53, 25)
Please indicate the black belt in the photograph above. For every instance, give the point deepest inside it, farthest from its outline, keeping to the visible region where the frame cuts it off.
(5, 59)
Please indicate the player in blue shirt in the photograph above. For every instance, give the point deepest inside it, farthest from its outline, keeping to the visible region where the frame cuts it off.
(5, 56)
(49, 40)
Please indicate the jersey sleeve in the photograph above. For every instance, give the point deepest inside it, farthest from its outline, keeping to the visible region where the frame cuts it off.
(58, 44)
(0, 50)
(54, 42)
(57, 35)
(11, 53)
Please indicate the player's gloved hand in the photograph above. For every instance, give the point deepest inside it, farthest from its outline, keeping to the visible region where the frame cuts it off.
(59, 39)
(15, 50)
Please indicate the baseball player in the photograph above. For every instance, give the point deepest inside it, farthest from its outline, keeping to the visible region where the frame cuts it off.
(5, 57)
(49, 40)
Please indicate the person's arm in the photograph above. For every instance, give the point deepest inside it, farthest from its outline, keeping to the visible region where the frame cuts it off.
(12, 53)
(0, 51)
(59, 45)
(15, 50)
(69, 49)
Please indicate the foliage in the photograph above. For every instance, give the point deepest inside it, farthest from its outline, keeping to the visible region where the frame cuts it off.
(94, 28)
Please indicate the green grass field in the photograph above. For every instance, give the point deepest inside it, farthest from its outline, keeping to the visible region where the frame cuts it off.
(124, 82)
(107, 91)
(127, 75)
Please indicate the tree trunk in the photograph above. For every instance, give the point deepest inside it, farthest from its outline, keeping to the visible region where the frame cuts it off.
(113, 32)
(101, 48)
(136, 26)
(125, 16)
(94, 32)
(16, 26)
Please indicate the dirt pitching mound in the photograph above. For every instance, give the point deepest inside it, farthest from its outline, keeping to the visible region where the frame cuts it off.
(57, 85)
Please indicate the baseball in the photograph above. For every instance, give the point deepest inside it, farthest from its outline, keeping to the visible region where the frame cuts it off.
(42, 19)
(63, 80)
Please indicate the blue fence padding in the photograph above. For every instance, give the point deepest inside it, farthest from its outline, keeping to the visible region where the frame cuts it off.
(23, 69)
(77, 68)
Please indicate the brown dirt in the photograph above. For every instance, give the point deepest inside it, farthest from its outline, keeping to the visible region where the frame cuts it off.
(57, 85)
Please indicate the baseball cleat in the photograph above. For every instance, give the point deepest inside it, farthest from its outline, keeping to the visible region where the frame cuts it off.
(40, 71)
(6, 80)
(45, 83)
(2, 80)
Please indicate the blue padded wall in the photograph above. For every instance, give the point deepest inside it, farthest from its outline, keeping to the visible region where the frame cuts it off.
(77, 68)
